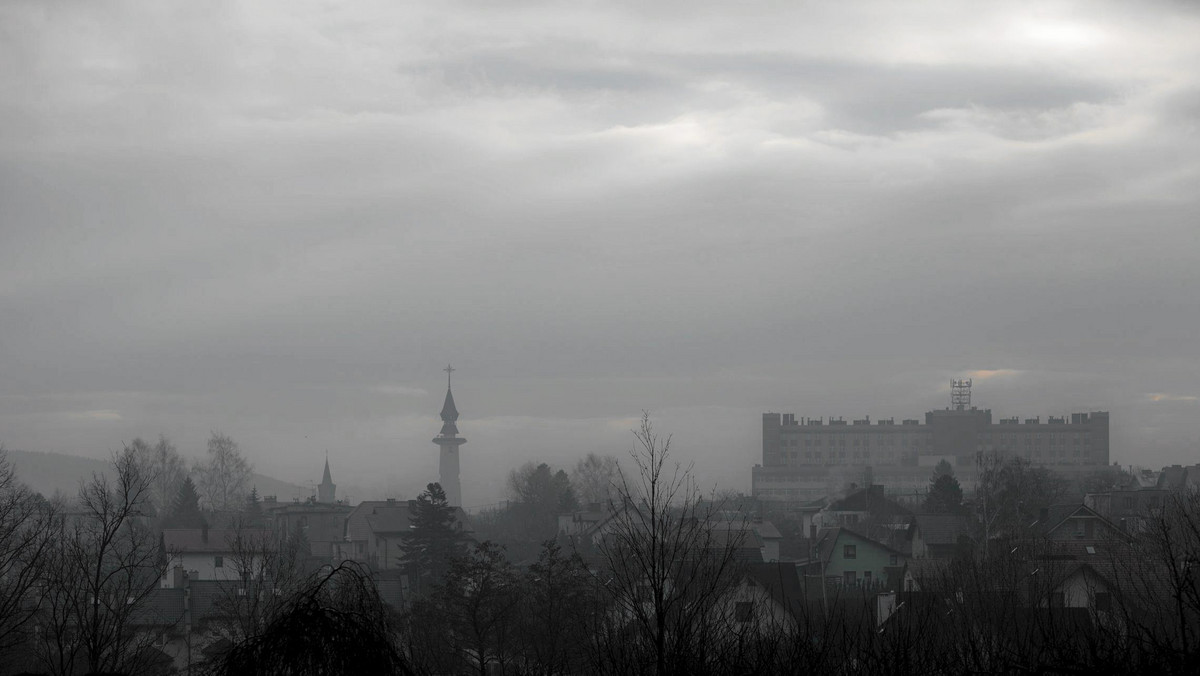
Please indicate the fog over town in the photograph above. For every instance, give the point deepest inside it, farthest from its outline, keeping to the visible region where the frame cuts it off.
(663, 337)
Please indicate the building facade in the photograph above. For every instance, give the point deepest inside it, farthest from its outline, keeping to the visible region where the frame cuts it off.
(806, 458)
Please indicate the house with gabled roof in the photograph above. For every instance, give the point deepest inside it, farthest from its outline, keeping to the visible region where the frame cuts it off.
(768, 596)
(214, 553)
(936, 536)
(1075, 522)
(849, 558)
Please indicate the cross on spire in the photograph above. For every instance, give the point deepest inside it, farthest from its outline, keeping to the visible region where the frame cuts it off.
(449, 369)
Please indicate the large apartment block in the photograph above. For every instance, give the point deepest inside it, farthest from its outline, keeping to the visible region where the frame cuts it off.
(805, 458)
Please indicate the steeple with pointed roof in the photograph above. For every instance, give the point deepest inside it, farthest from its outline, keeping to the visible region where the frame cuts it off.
(449, 414)
(326, 490)
(449, 441)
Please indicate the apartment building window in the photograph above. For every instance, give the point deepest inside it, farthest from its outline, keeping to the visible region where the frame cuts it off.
(849, 551)
(218, 562)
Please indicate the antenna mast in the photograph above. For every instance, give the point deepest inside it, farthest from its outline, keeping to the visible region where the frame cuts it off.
(960, 394)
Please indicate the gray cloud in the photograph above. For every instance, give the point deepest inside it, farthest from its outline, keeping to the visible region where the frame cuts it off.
(281, 222)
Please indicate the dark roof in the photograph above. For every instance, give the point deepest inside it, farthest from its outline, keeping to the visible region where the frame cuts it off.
(940, 529)
(781, 581)
(870, 500)
(1177, 477)
(211, 539)
(928, 573)
(1056, 515)
(827, 540)
(161, 608)
(327, 479)
(386, 516)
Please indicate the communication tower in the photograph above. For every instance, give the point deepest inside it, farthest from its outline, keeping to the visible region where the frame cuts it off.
(960, 394)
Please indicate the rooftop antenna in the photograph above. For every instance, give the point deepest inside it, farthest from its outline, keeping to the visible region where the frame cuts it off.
(960, 394)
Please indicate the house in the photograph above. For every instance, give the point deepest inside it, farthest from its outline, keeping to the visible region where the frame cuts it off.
(925, 575)
(1081, 585)
(870, 512)
(768, 596)
(214, 553)
(323, 524)
(936, 536)
(753, 533)
(1179, 478)
(1131, 510)
(1075, 522)
(375, 529)
(587, 525)
(851, 559)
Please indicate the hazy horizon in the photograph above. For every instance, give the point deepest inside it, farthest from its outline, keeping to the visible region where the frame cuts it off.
(282, 220)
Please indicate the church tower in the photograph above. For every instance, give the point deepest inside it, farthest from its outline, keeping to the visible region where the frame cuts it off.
(449, 441)
(326, 489)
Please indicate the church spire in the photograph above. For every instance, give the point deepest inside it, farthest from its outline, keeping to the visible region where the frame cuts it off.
(326, 490)
(449, 411)
(449, 442)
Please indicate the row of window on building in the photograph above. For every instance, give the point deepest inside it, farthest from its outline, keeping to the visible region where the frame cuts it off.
(886, 457)
(1032, 438)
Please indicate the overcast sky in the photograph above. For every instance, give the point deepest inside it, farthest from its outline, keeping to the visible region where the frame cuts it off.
(281, 220)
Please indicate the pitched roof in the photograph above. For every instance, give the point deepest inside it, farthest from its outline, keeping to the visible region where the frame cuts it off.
(449, 411)
(161, 608)
(939, 529)
(386, 516)
(782, 583)
(327, 479)
(1056, 515)
(212, 539)
(871, 500)
(827, 541)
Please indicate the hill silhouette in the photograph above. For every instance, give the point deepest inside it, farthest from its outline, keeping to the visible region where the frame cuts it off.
(50, 473)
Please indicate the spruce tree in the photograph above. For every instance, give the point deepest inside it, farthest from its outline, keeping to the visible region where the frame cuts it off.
(185, 513)
(434, 539)
(252, 514)
(945, 495)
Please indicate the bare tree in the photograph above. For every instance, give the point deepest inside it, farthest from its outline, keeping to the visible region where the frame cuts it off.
(28, 526)
(106, 563)
(167, 466)
(595, 478)
(665, 565)
(267, 574)
(224, 475)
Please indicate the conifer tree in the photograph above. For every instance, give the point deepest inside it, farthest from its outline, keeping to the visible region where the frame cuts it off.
(434, 539)
(185, 512)
(252, 514)
(945, 494)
